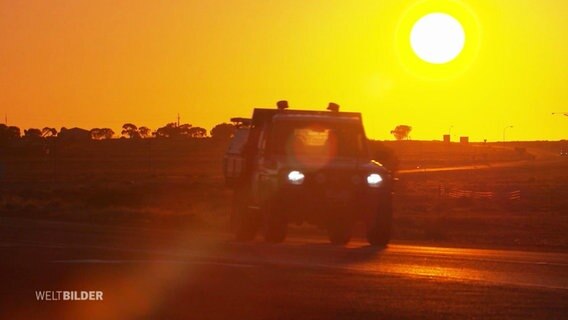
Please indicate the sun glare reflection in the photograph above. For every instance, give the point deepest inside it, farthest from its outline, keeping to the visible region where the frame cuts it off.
(142, 285)
(378, 263)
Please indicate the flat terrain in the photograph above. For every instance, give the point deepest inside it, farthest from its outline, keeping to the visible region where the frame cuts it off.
(479, 233)
(157, 274)
(448, 194)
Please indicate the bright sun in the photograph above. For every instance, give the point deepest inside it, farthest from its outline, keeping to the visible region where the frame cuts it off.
(437, 38)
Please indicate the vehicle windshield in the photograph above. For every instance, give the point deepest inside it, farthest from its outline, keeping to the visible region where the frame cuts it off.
(309, 138)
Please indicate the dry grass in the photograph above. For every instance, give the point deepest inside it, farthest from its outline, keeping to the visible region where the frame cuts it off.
(536, 220)
(179, 183)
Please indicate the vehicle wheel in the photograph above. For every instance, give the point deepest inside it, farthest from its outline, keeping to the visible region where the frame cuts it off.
(339, 233)
(378, 236)
(379, 231)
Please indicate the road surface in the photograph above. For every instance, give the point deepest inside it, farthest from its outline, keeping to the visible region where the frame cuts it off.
(146, 273)
(487, 166)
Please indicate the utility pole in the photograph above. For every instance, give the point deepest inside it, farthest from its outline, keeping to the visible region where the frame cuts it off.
(6, 119)
(178, 120)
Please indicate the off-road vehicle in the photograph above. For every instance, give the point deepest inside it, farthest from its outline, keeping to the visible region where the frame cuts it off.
(297, 166)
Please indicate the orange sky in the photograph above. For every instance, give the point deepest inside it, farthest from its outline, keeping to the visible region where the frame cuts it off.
(103, 63)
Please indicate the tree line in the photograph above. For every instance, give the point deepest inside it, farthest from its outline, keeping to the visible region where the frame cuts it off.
(221, 131)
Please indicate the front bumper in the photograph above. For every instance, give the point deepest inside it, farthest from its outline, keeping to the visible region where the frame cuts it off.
(305, 203)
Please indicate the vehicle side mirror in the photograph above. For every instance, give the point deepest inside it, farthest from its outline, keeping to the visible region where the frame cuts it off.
(385, 156)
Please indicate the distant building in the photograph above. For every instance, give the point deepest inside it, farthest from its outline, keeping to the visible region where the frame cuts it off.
(464, 140)
(447, 138)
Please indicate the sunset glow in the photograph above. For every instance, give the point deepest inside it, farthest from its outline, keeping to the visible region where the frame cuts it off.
(102, 64)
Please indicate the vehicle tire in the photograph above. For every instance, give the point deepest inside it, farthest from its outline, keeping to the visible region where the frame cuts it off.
(340, 233)
(378, 236)
(379, 230)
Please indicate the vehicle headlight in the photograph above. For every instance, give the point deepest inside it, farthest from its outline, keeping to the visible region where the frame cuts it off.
(374, 180)
(296, 177)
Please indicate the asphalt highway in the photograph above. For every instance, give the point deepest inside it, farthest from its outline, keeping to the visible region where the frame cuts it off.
(147, 273)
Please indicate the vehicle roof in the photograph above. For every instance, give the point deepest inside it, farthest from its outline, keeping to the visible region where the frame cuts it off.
(261, 115)
(314, 117)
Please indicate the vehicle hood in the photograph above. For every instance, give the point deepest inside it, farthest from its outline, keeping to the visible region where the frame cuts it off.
(336, 164)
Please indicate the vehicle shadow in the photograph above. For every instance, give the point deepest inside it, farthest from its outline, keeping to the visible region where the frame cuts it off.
(348, 254)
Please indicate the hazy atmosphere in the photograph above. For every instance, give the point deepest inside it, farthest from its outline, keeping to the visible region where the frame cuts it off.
(102, 63)
(292, 159)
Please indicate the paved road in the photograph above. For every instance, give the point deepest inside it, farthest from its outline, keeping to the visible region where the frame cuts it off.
(162, 274)
(488, 166)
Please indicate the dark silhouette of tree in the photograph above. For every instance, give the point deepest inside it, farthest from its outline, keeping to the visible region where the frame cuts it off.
(3, 132)
(197, 132)
(131, 131)
(107, 133)
(184, 129)
(401, 132)
(48, 132)
(96, 133)
(172, 130)
(9, 133)
(101, 133)
(32, 133)
(144, 132)
(167, 131)
(223, 131)
(14, 132)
